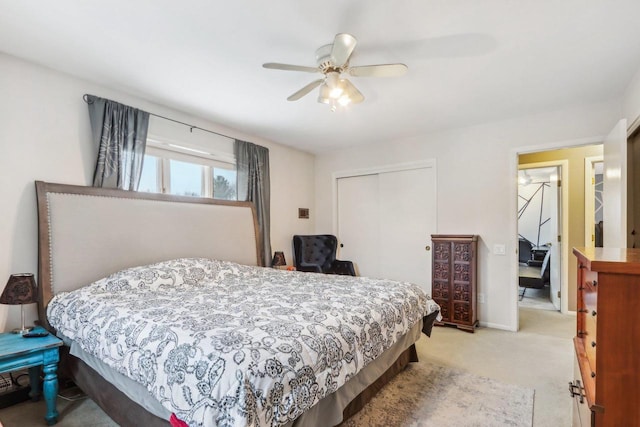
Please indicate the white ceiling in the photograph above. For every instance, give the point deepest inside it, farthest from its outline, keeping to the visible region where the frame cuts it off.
(470, 61)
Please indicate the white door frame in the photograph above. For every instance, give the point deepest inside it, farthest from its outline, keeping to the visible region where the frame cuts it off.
(563, 225)
(589, 202)
(429, 163)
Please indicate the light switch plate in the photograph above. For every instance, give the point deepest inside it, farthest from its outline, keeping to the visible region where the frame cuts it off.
(499, 249)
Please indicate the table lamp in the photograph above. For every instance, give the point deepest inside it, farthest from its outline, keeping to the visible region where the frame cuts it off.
(20, 289)
(278, 259)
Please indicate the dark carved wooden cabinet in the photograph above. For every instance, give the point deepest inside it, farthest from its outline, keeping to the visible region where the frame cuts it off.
(453, 284)
(606, 388)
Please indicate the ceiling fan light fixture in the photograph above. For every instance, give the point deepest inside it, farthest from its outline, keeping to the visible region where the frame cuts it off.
(335, 92)
(332, 61)
(325, 94)
(344, 100)
(524, 179)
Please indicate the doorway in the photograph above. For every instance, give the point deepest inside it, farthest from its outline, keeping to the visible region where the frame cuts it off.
(593, 201)
(539, 236)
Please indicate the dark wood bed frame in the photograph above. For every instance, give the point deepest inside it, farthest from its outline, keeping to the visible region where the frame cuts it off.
(115, 403)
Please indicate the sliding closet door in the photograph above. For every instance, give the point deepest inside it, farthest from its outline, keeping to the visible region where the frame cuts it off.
(385, 222)
(358, 223)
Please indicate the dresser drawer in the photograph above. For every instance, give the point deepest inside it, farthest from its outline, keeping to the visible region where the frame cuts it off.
(589, 339)
(589, 278)
(589, 298)
(589, 315)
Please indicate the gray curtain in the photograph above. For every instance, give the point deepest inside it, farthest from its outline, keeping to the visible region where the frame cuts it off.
(254, 185)
(120, 132)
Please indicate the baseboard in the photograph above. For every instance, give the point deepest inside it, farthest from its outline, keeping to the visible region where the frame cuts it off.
(497, 326)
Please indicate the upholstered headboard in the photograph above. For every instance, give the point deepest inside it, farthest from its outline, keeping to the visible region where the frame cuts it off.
(87, 233)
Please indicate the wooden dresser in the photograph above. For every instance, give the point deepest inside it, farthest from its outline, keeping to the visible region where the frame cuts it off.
(454, 279)
(606, 387)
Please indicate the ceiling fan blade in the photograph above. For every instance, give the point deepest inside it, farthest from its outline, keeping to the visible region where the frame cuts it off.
(380, 70)
(343, 45)
(289, 67)
(352, 92)
(305, 90)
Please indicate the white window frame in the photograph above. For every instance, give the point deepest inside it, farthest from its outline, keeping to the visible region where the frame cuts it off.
(165, 151)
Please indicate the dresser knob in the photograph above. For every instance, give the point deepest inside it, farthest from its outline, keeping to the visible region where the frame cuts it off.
(593, 374)
(593, 343)
(593, 313)
(595, 283)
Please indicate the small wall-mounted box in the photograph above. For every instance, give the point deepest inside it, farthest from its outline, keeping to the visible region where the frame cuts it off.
(303, 213)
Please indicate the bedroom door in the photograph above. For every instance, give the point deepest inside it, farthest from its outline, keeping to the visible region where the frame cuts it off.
(385, 222)
(614, 212)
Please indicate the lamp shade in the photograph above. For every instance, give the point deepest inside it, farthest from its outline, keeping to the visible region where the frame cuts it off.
(278, 259)
(20, 289)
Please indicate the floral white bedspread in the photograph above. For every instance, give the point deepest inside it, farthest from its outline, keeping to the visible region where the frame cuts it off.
(223, 344)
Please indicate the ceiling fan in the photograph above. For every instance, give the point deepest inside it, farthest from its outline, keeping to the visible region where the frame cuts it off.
(333, 61)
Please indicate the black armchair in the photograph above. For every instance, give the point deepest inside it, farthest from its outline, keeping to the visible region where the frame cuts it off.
(534, 275)
(317, 253)
(525, 251)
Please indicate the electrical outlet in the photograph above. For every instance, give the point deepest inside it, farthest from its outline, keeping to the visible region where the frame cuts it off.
(481, 298)
(499, 249)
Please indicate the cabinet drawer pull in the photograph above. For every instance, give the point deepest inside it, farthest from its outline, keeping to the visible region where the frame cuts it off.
(593, 313)
(576, 390)
(594, 283)
(593, 343)
(593, 374)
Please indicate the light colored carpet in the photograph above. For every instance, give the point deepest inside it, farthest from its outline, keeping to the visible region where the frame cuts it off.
(537, 298)
(538, 356)
(81, 413)
(426, 394)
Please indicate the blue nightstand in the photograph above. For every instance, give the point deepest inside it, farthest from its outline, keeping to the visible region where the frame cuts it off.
(17, 352)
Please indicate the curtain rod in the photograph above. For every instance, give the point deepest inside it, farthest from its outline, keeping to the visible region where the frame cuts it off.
(86, 96)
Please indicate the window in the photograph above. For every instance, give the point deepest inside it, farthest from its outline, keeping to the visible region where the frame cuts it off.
(149, 177)
(224, 184)
(186, 178)
(176, 171)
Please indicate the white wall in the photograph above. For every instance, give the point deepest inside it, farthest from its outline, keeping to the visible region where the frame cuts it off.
(477, 188)
(45, 135)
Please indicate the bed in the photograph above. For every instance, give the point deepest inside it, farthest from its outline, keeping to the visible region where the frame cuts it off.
(269, 360)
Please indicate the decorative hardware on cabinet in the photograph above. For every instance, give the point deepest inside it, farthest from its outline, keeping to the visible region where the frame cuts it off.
(608, 294)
